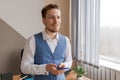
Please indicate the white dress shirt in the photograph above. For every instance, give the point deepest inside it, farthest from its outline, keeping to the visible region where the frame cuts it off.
(27, 63)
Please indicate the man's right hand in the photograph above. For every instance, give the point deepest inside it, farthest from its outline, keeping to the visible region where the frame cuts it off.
(52, 68)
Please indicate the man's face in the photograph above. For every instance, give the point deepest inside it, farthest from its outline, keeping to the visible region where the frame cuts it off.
(52, 20)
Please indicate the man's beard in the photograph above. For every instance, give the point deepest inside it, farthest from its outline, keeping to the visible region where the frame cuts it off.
(53, 31)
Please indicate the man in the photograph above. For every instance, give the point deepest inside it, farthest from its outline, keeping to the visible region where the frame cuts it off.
(47, 55)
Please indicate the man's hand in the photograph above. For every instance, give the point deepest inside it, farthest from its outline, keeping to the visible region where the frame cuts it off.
(52, 68)
(62, 65)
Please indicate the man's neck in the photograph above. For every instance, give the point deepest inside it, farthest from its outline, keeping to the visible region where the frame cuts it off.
(52, 35)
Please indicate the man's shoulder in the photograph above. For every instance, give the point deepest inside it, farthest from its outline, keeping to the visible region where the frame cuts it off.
(33, 36)
(62, 35)
(37, 33)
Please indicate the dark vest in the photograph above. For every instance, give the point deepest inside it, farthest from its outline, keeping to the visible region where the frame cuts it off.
(44, 55)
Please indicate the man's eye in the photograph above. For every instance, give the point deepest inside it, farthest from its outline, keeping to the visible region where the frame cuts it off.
(51, 17)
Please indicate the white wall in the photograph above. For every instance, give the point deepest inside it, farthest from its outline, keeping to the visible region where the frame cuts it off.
(22, 15)
(25, 15)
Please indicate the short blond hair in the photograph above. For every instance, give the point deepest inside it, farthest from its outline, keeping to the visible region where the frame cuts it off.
(48, 7)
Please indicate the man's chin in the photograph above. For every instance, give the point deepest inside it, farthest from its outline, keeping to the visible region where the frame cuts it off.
(53, 31)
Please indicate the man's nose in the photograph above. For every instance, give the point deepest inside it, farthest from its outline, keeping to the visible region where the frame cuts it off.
(55, 20)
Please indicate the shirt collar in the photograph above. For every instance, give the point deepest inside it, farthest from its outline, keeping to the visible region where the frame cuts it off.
(46, 36)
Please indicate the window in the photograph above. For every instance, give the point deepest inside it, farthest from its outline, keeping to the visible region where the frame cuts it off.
(110, 30)
(91, 18)
(85, 31)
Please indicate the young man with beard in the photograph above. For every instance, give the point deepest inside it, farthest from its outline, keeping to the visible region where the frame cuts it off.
(47, 55)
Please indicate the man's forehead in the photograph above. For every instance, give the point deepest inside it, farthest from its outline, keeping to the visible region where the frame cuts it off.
(54, 12)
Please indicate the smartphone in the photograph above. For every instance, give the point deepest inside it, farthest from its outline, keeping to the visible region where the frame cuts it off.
(59, 68)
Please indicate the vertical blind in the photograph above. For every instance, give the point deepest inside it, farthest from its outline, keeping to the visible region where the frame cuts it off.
(85, 30)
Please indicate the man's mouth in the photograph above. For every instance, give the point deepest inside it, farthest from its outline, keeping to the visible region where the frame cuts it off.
(54, 25)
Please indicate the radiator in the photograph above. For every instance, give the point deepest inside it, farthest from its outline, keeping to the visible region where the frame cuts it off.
(101, 73)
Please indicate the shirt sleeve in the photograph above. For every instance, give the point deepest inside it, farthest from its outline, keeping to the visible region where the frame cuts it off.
(68, 54)
(27, 62)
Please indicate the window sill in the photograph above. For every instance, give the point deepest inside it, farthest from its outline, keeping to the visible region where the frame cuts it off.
(107, 62)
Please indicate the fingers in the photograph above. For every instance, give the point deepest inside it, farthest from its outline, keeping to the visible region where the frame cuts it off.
(52, 68)
(62, 65)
